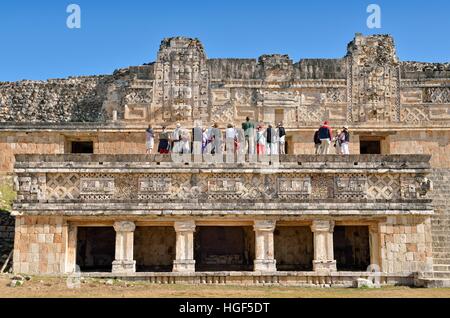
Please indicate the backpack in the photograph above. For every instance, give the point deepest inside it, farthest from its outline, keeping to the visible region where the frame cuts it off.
(316, 138)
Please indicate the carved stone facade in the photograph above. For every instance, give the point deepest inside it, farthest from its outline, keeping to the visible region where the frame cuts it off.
(404, 106)
(369, 85)
(296, 192)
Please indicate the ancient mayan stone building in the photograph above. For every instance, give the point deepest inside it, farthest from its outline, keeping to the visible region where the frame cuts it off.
(302, 219)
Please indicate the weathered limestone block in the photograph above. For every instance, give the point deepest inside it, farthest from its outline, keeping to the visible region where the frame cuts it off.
(406, 245)
(38, 245)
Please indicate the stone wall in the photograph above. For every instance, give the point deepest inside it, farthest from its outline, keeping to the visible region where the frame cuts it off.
(6, 237)
(441, 219)
(435, 143)
(406, 244)
(62, 100)
(40, 245)
(27, 143)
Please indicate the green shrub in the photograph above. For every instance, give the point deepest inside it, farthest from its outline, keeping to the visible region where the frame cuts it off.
(7, 196)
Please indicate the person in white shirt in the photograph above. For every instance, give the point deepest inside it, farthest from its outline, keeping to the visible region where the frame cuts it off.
(260, 140)
(231, 139)
(176, 138)
(271, 136)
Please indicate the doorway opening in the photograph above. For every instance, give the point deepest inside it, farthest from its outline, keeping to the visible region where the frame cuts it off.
(154, 248)
(96, 248)
(294, 248)
(352, 248)
(220, 248)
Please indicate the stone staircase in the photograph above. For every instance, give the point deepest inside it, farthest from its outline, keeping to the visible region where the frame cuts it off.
(440, 277)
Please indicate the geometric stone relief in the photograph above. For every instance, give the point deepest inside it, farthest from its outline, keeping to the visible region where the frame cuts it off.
(159, 184)
(439, 112)
(31, 188)
(223, 114)
(62, 187)
(384, 187)
(96, 186)
(96, 189)
(322, 187)
(294, 187)
(311, 113)
(138, 96)
(414, 114)
(411, 96)
(437, 95)
(350, 187)
(281, 99)
(336, 95)
(221, 187)
(414, 187)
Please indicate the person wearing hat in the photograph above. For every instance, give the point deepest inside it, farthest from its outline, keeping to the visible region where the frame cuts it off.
(344, 138)
(325, 136)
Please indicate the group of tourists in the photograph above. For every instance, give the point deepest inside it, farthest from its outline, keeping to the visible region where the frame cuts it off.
(323, 138)
(250, 139)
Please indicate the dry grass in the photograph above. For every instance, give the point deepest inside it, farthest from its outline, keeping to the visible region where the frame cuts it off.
(57, 288)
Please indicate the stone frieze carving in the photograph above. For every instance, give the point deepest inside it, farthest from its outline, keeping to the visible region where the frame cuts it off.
(350, 187)
(221, 187)
(97, 186)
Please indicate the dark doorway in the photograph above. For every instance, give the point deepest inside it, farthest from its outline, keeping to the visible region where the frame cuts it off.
(82, 147)
(351, 248)
(294, 248)
(96, 248)
(224, 248)
(370, 147)
(154, 248)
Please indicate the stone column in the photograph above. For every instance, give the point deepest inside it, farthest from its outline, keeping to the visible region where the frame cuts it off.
(264, 256)
(71, 248)
(323, 246)
(374, 237)
(184, 261)
(124, 262)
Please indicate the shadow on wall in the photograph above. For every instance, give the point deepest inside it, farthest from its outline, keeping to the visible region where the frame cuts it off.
(7, 223)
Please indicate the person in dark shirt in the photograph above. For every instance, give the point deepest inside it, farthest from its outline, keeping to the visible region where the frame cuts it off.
(164, 144)
(317, 142)
(250, 135)
(282, 138)
(325, 136)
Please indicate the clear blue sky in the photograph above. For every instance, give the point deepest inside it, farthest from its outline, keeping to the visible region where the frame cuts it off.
(36, 44)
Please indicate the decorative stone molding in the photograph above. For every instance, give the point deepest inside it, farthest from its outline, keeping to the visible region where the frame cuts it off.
(124, 226)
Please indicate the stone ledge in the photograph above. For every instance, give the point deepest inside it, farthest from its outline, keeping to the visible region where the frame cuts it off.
(214, 209)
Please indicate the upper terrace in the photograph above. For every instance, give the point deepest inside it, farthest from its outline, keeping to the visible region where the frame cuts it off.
(93, 185)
